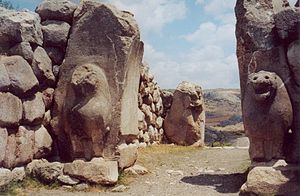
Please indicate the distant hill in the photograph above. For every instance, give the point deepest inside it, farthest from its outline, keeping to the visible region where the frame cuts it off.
(223, 107)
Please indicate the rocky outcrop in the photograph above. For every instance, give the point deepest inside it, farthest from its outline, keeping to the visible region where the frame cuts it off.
(98, 80)
(268, 116)
(185, 123)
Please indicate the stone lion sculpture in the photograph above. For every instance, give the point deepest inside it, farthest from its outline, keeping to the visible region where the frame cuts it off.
(185, 123)
(268, 115)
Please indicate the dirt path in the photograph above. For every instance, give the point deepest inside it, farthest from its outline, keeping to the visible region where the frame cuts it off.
(182, 171)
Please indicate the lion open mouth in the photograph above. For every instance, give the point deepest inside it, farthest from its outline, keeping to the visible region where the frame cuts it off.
(262, 91)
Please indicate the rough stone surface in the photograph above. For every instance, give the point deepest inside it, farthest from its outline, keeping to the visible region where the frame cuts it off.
(42, 67)
(96, 171)
(272, 180)
(22, 49)
(55, 33)
(136, 170)
(268, 115)
(24, 146)
(45, 171)
(56, 10)
(11, 110)
(21, 76)
(102, 66)
(5, 177)
(4, 78)
(19, 27)
(42, 142)
(10, 156)
(48, 98)
(128, 155)
(67, 180)
(184, 124)
(18, 173)
(34, 109)
(3, 143)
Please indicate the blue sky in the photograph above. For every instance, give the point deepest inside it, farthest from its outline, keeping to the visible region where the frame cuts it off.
(190, 40)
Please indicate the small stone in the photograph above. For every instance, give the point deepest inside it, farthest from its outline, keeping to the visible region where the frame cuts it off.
(65, 179)
(174, 173)
(81, 187)
(120, 188)
(18, 174)
(136, 169)
(5, 177)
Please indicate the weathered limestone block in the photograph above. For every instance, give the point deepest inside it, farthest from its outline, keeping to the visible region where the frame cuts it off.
(42, 142)
(275, 179)
(4, 78)
(44, 171)
(22, 49)
(185, 123)
(96, 171)
(10, 156)
(24, 146)
(34, 110)
(5, 177)
(11, 110)
(267, 114)
(128, 155)
(101, 65)
(22, 78)
(19, 27)
(55, 33)
(42, 67)
(48, 97)
(3, 143)
(56, 10)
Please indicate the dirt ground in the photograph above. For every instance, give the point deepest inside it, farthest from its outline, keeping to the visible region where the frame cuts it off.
(181, 171)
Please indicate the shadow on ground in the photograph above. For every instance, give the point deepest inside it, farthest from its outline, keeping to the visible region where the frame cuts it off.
(223, 183)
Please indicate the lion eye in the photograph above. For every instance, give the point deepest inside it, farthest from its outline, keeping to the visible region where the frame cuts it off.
(255, 78)
(267, 77)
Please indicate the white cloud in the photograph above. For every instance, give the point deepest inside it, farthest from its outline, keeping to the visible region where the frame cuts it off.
(209, 33)
(153, 15)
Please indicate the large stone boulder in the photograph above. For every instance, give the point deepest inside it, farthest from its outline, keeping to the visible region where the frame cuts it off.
(22, 49)
(19, 27)
(98, 81)
(96, 171)
(272, 179)
(11, 110)
(42, 142)
(34, 109)
(56, 10)
(185, 122)
(3, 143)
(55, 33)
(45, 171)
(267, 114)
(42, 67)
(22, 81)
